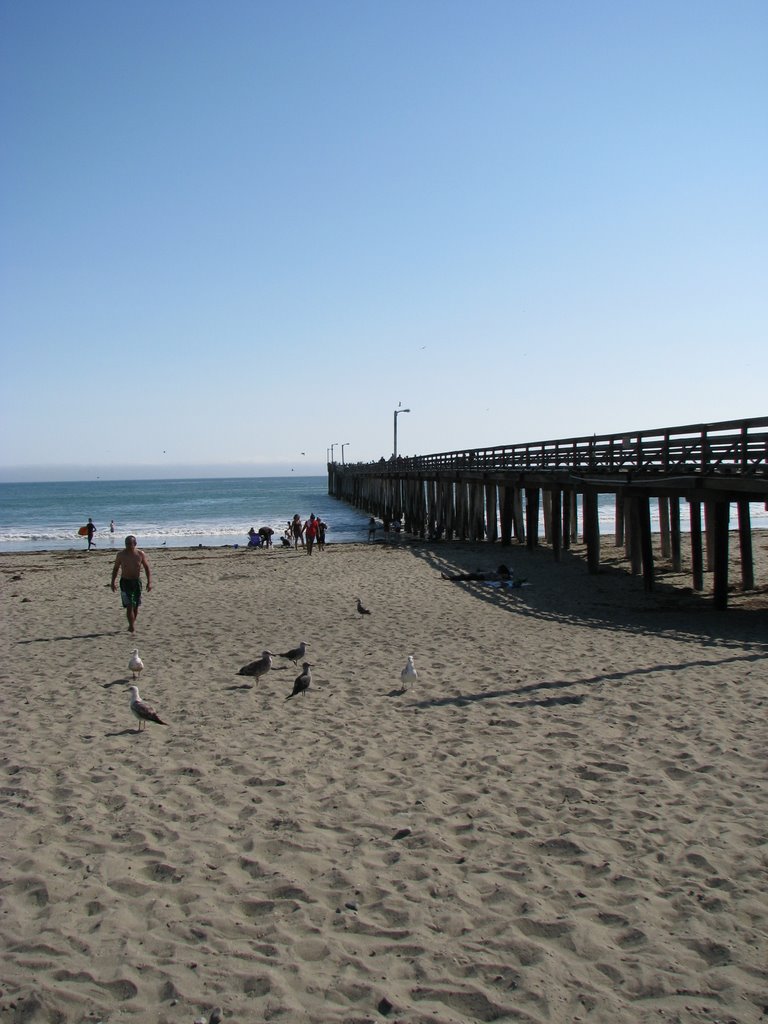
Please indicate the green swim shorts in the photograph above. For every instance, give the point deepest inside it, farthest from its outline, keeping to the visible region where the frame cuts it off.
(130, 592)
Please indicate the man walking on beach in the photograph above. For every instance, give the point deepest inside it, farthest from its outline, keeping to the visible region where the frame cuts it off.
(129, 563)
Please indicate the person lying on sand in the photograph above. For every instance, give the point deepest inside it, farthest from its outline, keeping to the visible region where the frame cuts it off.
(502, 573)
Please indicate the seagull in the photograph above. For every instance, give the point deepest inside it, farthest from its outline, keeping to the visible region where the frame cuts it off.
(361, 608)
(301, 685)
(135, 664)
(297, 653)
(143, 711)
(409, 675)
(259, 667)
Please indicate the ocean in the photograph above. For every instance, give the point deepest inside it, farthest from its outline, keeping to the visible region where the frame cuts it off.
(185, 513)
(171, 513)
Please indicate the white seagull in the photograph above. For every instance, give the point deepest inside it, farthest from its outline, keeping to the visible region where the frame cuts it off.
(143, 711)
(135, 665)
(409, 675)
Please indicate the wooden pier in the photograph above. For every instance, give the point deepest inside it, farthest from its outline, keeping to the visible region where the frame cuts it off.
(497, 494)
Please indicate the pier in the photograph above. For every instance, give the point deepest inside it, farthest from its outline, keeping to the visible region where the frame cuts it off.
(501, 494)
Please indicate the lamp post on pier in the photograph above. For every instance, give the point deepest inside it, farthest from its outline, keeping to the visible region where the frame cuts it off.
(332, 447)
(397, 413)
(345, 445)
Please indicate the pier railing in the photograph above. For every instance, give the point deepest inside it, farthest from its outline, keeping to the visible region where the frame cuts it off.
(724, 448)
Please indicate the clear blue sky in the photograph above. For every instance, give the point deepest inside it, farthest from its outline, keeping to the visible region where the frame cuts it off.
(234, 232)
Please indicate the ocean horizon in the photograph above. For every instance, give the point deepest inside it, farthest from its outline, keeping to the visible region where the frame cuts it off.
(208, 511)
(167, 513)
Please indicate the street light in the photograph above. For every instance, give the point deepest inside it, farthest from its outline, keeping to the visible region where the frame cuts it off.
(328, 455)
(345, 445)
(332, 447)
(397, 413)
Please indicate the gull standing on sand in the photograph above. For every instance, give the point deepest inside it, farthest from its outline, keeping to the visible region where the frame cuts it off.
(362, 610)
(297, 653)
(409, 675)
(135, 665)
(143, 711)
(259, 667)
(301, 685)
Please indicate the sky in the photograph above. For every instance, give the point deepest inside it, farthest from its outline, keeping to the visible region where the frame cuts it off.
(234, 234)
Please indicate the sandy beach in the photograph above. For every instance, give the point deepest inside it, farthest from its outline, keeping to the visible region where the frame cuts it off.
(563, 820)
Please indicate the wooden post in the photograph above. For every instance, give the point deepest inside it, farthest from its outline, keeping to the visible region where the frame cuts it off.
(674, 534)
(472, 511)
(532, 517)
(591, 530)
(635, 535)
(619, 519)
(478, 510)
(567, 507)
(491, 513)
(722, 512)
(666, 544)
(507, 499)
(546, 500)
(745, 546)
(517, 515)
(556, 521)
(646, 541)
(709, 535)
(697, 554)
(461, 509)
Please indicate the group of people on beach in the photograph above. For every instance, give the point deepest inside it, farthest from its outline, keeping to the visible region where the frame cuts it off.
(310, 532)
(261, 538)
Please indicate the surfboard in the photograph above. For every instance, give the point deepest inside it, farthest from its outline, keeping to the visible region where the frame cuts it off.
(83, 531)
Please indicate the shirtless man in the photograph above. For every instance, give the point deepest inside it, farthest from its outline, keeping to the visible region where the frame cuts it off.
(129, 563)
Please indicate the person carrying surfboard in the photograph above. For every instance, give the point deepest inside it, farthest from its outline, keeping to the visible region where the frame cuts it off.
(90, 529)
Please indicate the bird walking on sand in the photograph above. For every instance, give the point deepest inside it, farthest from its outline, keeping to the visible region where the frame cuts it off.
(259, 667)
(135, 664)
(362, 610)
(297, 653)
(143, 711)
(301, 684)
(409, 675)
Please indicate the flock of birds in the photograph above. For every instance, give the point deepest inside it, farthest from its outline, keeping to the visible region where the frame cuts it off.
(263, 664)
(144, 712)
(141, 710)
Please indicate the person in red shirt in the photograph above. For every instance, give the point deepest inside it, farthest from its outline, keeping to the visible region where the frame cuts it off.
(310, 532)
